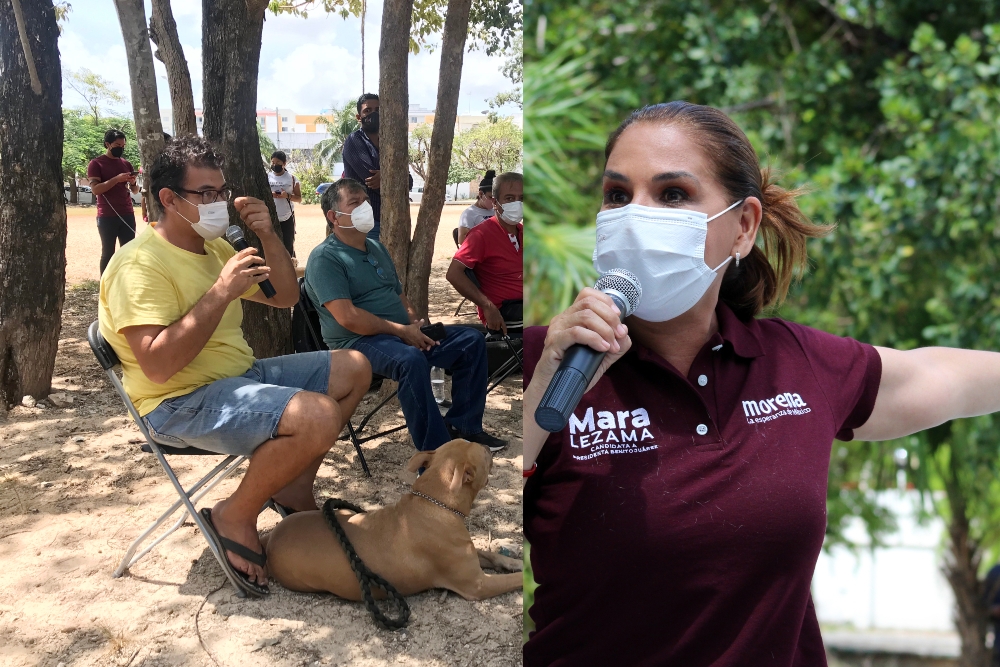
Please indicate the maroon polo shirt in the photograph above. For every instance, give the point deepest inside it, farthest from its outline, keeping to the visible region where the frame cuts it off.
(676, 521)
(116, 201)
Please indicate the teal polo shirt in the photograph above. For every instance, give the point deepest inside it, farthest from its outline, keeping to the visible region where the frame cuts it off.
(336, 270)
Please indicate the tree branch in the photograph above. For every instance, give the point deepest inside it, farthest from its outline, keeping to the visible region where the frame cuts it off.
(844, 25)
(22, 30)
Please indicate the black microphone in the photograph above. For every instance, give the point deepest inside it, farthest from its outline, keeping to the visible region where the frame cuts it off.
(581, 362)
(235, 236)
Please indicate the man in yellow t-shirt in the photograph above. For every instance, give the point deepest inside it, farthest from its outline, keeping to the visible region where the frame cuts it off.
(170, 307)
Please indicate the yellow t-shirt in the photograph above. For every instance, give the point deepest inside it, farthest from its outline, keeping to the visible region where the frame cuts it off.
(152, 281)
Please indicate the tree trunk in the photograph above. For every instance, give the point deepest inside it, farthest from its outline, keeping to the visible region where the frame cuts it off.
(74, 197)
(393, 91)
(456, 28)
(961, 570)
(231, 38)
(145, 101)
(163, 32)
(32, 207)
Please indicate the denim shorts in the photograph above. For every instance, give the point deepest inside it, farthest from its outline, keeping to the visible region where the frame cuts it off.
(237, 415)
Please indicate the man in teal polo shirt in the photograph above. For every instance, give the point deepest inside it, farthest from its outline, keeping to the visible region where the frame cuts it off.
(363, 307)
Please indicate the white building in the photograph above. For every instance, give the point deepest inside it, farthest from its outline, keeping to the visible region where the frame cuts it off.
(896, 587)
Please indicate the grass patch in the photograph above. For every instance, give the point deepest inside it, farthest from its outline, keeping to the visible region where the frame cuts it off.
(87, 286)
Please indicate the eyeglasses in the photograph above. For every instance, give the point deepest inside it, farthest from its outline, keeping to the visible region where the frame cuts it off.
(210, 196)
(378, 269)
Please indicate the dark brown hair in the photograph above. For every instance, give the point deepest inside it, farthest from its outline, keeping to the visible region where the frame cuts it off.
(170, 167)
(763, 277)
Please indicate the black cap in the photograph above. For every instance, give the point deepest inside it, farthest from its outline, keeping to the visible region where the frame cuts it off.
(487, 182)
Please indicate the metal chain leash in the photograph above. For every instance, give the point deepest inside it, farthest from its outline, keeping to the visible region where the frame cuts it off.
(366, 578)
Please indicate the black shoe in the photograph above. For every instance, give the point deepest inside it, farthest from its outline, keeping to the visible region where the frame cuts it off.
(492, 443)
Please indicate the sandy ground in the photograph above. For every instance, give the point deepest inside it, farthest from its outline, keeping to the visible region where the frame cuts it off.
(75, 490)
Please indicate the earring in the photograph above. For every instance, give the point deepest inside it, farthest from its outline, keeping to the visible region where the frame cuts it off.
(737, 259)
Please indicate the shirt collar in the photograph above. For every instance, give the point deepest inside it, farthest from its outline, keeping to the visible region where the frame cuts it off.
(364, 137)
(743, 336)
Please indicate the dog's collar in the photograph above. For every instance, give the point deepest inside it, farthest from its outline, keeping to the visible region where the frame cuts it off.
(438, 503)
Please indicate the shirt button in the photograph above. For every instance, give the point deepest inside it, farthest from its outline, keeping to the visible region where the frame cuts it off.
(702, 429)
(702, 380)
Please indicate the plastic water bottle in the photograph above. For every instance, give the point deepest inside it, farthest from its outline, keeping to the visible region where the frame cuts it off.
(437, 384)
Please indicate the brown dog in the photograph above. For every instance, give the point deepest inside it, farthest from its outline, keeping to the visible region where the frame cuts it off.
(415, 544)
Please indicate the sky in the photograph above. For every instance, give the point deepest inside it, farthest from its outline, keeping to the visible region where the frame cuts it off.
(306, 64)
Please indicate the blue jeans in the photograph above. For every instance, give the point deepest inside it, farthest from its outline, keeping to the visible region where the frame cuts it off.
(374, 233)
(463, 351)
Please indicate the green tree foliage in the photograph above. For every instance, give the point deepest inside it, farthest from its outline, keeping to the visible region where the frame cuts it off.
(267, 147)
(340, 124)
(83, 140)
(420, 147)
(513, 69)
(459, 173)
(96, 91)
(493, 24)
(310, 171)
(490, 146)
(892, 124)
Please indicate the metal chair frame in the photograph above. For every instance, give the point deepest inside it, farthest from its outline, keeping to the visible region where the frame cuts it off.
(353, 433)
(458, 311)
(515, 363)
(109, 361)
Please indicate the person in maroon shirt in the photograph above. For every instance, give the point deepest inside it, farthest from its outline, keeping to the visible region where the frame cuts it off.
(677, 519)
(111, 179)
(494, 251)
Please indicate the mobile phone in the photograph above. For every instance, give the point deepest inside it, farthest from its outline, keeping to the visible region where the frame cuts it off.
(434, 331)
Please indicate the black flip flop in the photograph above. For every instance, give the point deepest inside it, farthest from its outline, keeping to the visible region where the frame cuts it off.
(224, 544)
(282, 510)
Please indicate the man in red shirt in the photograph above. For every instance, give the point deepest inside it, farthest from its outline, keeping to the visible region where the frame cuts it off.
(111, 178)
(494, 250)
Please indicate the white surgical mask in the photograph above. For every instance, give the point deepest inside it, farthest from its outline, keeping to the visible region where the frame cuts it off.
(665, 249)
(213, 219)
(513, 212)
(362, 218)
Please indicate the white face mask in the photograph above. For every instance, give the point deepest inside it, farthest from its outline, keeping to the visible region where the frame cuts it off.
(213, 219)
(665, 248)
(362, 218)
(513, 212)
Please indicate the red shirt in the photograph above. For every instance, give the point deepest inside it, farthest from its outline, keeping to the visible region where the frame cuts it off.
(676, 521)
(498, 265)
(106, 168)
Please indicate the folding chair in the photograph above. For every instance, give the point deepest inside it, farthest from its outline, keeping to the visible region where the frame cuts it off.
(310, 318)
(108, 360)
(512, 364)
(458, 311)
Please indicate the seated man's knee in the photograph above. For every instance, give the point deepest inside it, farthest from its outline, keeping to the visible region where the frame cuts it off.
(470, 339)
(309, 411)
(353, 364)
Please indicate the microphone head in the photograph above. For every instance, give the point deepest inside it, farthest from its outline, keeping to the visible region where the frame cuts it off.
(622, 286)
(234, 234)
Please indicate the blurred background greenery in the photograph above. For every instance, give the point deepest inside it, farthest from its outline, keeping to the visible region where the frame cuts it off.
(888, 111)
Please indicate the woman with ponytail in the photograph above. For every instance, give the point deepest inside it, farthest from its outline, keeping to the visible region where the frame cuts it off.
(677, 519)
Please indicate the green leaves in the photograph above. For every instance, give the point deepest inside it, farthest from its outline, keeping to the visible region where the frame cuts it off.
(83, 140)
(497, 145)
(567, 120)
